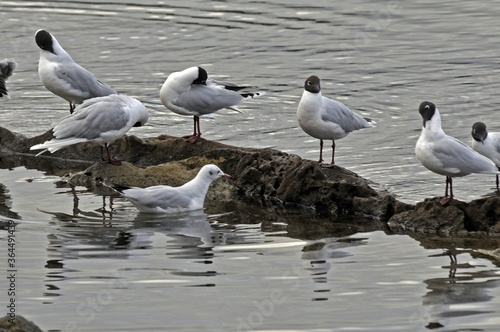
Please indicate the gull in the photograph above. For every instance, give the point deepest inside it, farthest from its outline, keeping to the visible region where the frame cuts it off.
(101, 120)
(64, 77)
(167, 199)
(326, 119)
(192, 92)
(7, 67)
(486, 143)
(446, 155)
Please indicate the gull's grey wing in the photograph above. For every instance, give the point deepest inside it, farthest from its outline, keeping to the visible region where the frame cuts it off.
(337, 112)
(164, 197)
(455, 155)
(80, 79)
(204, 99)
(93, 118)
(495, 137)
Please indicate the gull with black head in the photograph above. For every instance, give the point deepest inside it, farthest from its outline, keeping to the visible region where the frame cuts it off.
(326, 119)
(62, 76)
(192, 92)
(486, 143)
(446, 155)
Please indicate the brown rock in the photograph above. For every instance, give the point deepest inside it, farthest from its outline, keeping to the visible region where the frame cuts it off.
(262, 177)
(17, 324)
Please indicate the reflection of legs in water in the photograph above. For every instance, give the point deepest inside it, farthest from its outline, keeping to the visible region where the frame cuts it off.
(76, 200)
(453, 266)
(107, 214)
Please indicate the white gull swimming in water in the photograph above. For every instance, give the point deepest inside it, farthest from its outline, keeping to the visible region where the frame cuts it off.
(446, 155)
(486, 143)
(101, 120)
(167, 199)
(326, 119)
(7, 67)
(192, 92)
(63, 76)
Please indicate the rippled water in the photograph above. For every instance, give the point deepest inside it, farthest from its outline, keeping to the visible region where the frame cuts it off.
(89, 262)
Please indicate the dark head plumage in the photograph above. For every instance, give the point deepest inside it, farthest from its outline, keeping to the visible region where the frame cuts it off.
(426, 110)
(312, 84)
(44, 40)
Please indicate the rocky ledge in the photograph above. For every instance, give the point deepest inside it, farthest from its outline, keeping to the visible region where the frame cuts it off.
(263, 177)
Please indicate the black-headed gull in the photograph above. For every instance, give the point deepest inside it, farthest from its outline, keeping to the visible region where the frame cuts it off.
(446, 155)
(7, 67)
(64, 77)
(486, 143)
(326, 119)
(101, 120)
(166, 199)
(192, 92)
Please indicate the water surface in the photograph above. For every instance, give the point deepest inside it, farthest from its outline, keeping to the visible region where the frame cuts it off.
(89, 262)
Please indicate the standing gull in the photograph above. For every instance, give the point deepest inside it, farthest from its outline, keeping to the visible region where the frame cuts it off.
(101, 120)
(445, 155)
(192, 92)
(7, 67)
(166, 199)
(63, 76)
(486, 143)
(324, 118)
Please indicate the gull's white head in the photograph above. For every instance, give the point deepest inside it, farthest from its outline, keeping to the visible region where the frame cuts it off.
(211, 172)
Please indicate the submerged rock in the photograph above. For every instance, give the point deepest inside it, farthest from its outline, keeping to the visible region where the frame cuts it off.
(263, 177)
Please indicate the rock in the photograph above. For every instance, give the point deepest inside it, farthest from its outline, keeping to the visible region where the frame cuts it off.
(455, 218)
(262, 177)
(266, 176)
(430, 217)
(17, 324)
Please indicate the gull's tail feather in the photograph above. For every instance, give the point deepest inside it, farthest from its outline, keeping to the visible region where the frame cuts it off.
(41, 152)
(54, 145)
(371, 122)
(119, 187)
(253, 94)
(236, 109)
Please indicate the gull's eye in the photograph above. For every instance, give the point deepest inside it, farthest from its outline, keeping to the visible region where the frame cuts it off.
(210, 172)
(427, 107)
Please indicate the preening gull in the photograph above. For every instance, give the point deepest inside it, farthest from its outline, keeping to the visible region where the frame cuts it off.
(101, 120)
(64, 77)
(192, 92)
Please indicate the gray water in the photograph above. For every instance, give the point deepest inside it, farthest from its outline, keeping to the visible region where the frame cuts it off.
(88, 261)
